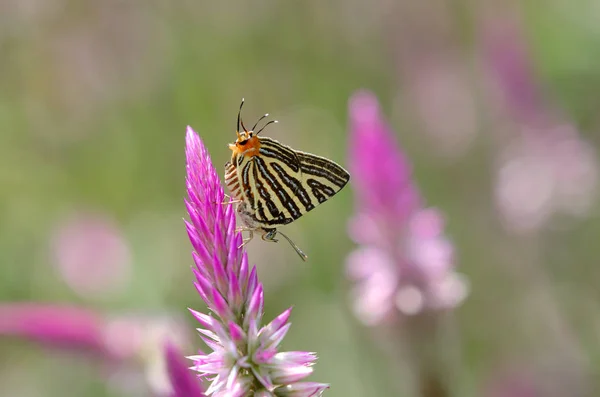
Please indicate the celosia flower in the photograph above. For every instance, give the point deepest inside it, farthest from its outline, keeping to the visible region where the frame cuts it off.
(244, 360)
(92, 255)
(547, 168)
(542, 173)
(183, 382)
(404, 262)
(60, 326)
(118, 341)
(509, 65)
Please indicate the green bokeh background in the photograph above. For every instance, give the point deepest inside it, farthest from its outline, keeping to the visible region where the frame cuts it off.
(94, 101)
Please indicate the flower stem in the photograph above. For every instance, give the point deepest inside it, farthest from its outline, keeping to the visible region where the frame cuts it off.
(428, 341)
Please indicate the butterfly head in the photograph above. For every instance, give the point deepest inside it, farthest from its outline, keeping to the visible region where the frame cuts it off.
(247, 142)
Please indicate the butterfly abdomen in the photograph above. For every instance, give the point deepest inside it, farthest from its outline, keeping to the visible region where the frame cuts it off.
(232, 181)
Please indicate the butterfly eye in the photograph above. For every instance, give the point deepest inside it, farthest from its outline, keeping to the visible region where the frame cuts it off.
(243, 142)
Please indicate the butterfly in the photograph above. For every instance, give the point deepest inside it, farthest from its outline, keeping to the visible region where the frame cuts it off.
(274, 185)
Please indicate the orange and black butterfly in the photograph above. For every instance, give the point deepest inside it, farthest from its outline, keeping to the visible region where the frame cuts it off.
(274, 184)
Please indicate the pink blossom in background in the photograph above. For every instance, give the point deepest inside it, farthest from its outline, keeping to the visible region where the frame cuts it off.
(546, 168)
(243, 357)
(184, 382)
(512, 384)
(142, 338)
(92, 255)
(444, 102)
(508, 63)
(119, 342)
(546, 378)
(404, 263)
(541, 175)
(54, 325)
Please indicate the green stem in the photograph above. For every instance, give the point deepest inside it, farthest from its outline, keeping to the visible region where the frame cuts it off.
(428, 344)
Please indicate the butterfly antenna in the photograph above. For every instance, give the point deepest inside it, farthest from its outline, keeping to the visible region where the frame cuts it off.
(239, 118)
(302, 255)
(258, 121)
(264, 126)
(243, 126)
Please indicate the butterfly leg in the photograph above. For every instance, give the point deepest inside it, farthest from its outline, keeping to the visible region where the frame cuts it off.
(249, 238)
(230, 200)
(270, 236)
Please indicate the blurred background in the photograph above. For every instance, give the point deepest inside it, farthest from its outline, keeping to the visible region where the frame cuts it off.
(495, 104)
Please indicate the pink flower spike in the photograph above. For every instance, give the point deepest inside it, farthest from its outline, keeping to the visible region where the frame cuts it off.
(300, 358)
(404, 264)
(244, 354)
(264, 356)
(381, 173)
(508, 63)
(198, 223)
(60, 326)
(201, 291)
(235, 292)
(218, 271)
(255, 305)
(237, 333)
(203, 285)
(193, 236)
(291, 373)
(118, 343)
(219, 306)
(234, 241)
(243, 276)
(277, 336)
(276, 324)
(183, 382)
(252, 282)
(209, 341)
(204, 319)
(547, 168)
(302, 389)
(236, 385)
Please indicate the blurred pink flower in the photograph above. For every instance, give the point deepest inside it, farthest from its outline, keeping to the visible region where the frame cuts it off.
(183, 381)
(61, 326)
(510, 68)
(141, 338)
(404, 262)
(545, 174)
(92, 255)
(444, 103)
(547, 378)
(119, 341)
(513, 384)
(244, 358)
(547, 168)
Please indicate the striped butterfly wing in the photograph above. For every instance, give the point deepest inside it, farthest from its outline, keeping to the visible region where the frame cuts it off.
(321, 177)
(290, 183)
(251, 180)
